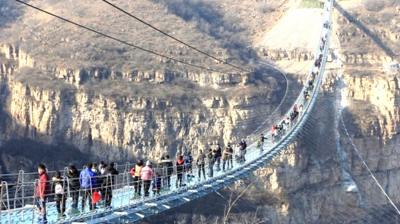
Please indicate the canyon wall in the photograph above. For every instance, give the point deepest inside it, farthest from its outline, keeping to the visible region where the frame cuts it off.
(103, 112)
(119, 120)
(309, 182)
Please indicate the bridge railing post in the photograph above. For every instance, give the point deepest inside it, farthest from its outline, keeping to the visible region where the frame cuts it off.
(126, 173)
(65, 171)
(22, 173)
(4, 199)
(65, 196)
(35, 183)
(68, 186)
(19, 189)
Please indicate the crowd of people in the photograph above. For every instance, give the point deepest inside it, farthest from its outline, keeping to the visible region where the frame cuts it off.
(91, 183)
(94, 184)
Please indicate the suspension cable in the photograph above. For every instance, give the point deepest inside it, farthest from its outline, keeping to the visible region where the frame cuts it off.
(174, 38)
(367, 167)
(117, 39)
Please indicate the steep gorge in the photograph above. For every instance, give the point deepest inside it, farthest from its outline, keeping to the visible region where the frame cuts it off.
(71, 91)
(145, 119)
(306, 183)
(75, 106)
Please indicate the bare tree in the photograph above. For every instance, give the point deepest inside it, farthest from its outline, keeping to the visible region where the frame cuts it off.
(231, 202)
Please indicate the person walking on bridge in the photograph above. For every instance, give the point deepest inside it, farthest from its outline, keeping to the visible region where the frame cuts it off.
(74, 187)
(137, 179)
(87, 180)
(42, 190)
(201, 162)
(180, 169)
(243, 147)
(261, 142)
(59, 194)
(147, 175)
(225, 155)
(188, 160)
(210, 163)
(217, 156)
(230, 156)
(109, 181)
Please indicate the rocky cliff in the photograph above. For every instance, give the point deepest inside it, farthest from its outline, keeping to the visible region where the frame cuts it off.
(96, 106)
(320, 178)
(108, 101)
(115, 121)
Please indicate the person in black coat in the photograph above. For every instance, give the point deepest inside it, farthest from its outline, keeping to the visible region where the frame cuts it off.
(109, 182)
(217, 156)
(74, 185)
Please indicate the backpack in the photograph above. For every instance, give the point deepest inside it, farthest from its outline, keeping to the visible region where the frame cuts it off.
(58, 189)
(96, 197)
(132, 171)
(188, 159)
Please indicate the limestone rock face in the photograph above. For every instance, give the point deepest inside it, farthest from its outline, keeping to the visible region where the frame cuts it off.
(117, 109)
(132, 120)
(62, 85)
(308, 182)
(308, 178)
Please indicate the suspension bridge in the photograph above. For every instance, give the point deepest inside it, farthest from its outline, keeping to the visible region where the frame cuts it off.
(17, 190)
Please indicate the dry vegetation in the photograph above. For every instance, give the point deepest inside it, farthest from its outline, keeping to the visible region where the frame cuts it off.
(311, 4)
(223, 28)
(8, 12)
(362, 119)
(371, 27)
(38, 78)
(217, 27)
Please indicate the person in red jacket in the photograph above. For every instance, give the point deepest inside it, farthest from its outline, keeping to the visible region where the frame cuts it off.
(180, 163)
(42, 189)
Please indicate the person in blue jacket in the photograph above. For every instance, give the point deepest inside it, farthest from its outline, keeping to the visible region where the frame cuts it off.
(87, 179)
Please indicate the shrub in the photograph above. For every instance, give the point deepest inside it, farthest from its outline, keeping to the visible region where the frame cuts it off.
(373, 5)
